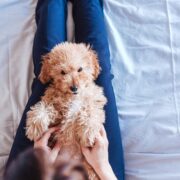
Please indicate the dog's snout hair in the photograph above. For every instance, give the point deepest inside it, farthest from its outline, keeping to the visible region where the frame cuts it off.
(75, 81)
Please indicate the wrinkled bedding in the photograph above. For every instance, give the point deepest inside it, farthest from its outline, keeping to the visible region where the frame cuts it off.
(144, 42)
(144, 38)
(17, 27)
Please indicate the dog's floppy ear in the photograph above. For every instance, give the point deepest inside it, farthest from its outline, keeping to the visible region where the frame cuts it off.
(44, 75)
(95, 63)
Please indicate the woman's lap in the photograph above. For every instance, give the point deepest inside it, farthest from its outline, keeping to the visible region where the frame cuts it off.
(89, 28)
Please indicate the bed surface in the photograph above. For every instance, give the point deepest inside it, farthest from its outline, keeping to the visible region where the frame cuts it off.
(145, 55)
(144, 43)
(17, 27)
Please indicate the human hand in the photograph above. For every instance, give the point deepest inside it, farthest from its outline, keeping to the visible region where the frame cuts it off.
(97, 156)
(42, 143)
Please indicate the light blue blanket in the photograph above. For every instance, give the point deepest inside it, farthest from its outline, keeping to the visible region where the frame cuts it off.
(144, 38)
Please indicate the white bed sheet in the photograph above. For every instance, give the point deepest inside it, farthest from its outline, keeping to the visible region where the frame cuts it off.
(145, 55)
(17, 27)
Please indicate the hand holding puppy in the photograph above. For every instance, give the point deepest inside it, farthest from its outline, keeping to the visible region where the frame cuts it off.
(42, 143)
(97, 156)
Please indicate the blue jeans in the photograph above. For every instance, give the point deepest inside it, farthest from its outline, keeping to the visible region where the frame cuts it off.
(89, 28)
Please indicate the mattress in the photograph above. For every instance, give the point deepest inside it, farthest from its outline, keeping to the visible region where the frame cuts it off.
(145, 55)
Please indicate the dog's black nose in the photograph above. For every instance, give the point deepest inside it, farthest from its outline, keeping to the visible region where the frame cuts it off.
(73, 88)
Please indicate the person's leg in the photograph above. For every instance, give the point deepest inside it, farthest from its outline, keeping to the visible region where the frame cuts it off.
(90, 29)
(51, 30)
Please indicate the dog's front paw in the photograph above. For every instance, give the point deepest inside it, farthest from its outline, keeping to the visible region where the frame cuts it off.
(89, 136)
(38, 120)
(35, 130)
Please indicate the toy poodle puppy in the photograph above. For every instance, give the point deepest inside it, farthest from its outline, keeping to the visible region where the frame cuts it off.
(72, 101)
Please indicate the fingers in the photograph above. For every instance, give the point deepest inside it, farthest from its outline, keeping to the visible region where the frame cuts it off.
(55, 151)
(101, 139)
(43, 141)
(85, 151)
(56, 147)
(104, 135)
(103, 132)
(98, 141)
(48, 133)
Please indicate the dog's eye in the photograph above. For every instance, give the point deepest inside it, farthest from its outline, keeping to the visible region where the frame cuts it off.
(62, 72)
(80, 69)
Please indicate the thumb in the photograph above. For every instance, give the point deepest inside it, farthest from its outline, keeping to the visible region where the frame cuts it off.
(98, 141)
(85, 150)
(55, 151)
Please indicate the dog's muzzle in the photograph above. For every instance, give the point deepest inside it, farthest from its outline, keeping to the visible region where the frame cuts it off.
(74, 89)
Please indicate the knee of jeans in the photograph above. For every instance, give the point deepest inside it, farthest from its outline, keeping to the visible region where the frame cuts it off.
(56, 2)
(44, 4)
(105, 78)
